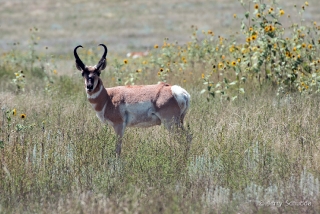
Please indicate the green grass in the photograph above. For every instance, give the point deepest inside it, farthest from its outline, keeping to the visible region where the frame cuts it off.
(251, 149)
(259, 148)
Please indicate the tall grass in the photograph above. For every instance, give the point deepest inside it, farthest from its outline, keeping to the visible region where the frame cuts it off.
(252, 152)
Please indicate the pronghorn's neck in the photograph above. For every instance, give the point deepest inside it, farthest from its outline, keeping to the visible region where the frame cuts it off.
(98, 96)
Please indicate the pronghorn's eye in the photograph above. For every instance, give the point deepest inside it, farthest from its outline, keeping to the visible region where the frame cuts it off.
(84, 74)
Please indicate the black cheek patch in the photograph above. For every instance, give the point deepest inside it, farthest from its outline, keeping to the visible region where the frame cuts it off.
(85, 73)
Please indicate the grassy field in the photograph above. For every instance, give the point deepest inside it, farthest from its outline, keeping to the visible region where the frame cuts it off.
(254, 112)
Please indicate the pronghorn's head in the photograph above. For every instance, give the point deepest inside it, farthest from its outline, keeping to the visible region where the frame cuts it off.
(91, 73)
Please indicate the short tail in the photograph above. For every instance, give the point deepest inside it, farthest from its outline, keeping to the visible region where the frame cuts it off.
(183, 99)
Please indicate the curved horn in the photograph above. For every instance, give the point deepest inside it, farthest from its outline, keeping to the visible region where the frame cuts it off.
(105, 51)
(102, 63)
(78, 60)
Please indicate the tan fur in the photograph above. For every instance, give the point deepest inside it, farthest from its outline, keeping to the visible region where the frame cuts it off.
(135, 106)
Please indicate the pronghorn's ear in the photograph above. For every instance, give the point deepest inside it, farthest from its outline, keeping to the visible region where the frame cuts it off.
(103, 61)
(78, 67)
(79, 64)
(102, 64)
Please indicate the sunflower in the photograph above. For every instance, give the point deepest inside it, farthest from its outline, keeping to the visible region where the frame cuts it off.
(271, 28)
(281, 12)
(233, 63)
(14, 112)
(22, 116)
(125, 61)
(156, 46)
(256, 6)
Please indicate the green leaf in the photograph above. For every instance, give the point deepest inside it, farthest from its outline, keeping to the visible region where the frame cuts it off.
(1, 144)
(247, 14)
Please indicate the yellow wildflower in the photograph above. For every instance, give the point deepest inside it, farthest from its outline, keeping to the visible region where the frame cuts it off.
(271, 10)
(281, 12)
(210, 32)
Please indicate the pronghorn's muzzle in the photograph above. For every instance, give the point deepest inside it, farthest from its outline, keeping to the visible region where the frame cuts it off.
(90, 84)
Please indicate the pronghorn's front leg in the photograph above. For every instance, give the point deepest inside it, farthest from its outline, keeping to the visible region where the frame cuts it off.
(119, 129)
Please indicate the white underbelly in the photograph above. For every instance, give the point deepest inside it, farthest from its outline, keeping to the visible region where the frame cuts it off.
(140, 115)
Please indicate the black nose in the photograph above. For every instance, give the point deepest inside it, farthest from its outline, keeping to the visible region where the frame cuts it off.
(90, 83)
(90, 86)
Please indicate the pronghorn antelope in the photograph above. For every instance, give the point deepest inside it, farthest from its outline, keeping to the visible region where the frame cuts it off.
(133, 106)
(135, 55)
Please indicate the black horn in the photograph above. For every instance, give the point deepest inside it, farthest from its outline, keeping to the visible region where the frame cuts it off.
(78, 60)
(105, 51)
(102, 63)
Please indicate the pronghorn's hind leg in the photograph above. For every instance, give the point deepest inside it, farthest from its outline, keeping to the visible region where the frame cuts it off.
(183, 99)
(178, 133)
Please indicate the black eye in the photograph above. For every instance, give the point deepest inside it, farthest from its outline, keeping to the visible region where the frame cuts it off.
(84, 73)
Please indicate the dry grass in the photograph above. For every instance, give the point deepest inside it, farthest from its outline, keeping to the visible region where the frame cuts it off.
(247, 156)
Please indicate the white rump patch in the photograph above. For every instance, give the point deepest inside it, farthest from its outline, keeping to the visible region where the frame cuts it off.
(182, 97)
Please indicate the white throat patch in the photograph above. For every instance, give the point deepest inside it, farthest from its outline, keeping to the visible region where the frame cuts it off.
(96, 94)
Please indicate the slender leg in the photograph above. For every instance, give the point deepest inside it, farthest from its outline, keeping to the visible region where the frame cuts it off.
(119, 129)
